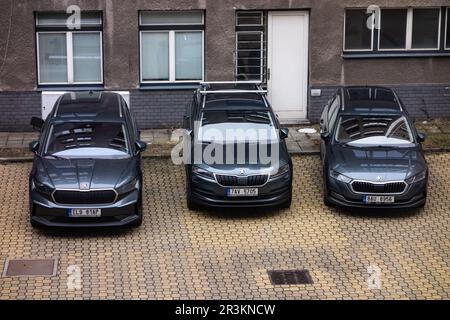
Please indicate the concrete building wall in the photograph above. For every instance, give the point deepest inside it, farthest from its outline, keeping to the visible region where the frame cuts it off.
(327, 67)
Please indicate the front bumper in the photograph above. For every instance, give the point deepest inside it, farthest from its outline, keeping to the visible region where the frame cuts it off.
(342, 195)
(211, 194)
(44, 212)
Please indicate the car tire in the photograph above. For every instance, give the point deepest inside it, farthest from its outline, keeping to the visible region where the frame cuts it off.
(190, 203)
(35, 225)
(326, 192)
(287, 204)
(140, 210)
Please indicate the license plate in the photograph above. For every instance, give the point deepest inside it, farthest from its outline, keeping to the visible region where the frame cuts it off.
(379, 199)
(245, 192)
(85, 213)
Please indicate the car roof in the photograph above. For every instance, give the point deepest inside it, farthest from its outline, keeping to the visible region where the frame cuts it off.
(234, 101)
(92, 105)
(370, 99)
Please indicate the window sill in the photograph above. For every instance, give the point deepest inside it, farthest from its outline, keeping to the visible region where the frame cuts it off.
(381, 55)
(70, 87)
(170, 86)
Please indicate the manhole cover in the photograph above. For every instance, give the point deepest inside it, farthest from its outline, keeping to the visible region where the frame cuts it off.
(280, 277)
(30, 267)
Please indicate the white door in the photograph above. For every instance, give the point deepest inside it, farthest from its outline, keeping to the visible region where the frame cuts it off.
(288, 64)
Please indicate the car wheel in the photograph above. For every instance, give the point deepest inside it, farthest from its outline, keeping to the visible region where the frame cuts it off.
(138, 222)
(287, 204)
(326, 192)
(35, 225)
(190, 203)
(140, 210)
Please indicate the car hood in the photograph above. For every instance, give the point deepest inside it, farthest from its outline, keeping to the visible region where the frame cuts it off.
(266, 162)
(85, 174)
(377, 164)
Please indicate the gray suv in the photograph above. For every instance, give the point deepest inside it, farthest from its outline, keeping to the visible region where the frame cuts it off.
(371, 151)
(249, 165)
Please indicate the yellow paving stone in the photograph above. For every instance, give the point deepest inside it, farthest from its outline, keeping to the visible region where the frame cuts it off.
(181, 254)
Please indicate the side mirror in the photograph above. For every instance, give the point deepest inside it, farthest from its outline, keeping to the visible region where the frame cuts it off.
(284, 133)
(189, 132)
(421, 137)
(37, 123)
(34, 146)
(325, 135)
(141, 146)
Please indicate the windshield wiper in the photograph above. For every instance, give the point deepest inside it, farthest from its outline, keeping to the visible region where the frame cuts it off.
(55, 157)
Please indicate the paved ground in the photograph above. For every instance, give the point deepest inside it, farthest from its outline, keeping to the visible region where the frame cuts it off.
(182, 254)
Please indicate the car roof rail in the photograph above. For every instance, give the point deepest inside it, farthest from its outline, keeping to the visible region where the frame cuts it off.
(206, 88)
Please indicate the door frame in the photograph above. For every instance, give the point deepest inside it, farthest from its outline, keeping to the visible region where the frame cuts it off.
(270, 15)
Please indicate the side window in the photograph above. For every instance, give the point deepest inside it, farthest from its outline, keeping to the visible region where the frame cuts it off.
(333, 111)
(130, 121)
(190, 113)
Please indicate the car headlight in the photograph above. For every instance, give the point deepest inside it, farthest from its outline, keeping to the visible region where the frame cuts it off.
(128, 186)
(281, 171)
(340, 177)
(41, 187)
(417, 177)
(202, 173)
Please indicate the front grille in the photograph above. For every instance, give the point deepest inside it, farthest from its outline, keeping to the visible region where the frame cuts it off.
(84, 197)
(390, 187)
(233, 181)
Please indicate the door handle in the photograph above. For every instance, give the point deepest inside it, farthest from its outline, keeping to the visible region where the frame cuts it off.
(268, 73)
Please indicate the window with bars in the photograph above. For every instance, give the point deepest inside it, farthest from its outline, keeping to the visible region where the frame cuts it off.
(251, 47)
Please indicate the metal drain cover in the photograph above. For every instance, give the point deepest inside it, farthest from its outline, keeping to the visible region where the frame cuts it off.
(286, 277)
(30, 267)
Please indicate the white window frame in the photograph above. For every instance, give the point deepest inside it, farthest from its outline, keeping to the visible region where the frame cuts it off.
(69, 52)
(261, 73)
(343, 38)
(172, 73)
(409, 29)
(447, 22)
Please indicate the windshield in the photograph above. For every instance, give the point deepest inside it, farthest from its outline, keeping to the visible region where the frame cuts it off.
(230, 126)
(87, 140)
(369, 131)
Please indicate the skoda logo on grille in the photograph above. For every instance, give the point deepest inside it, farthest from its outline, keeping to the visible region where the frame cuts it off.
(379, 178)
(242, 172)
(84, 186)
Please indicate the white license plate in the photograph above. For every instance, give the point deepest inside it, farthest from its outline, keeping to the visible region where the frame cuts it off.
(379, 199)
(245, 192)
(85, 213)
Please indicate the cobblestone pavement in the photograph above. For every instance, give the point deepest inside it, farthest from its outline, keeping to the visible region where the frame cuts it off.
(182, 254)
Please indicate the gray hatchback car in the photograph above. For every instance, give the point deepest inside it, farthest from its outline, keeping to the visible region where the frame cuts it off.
(86, 170)
(371, 151)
